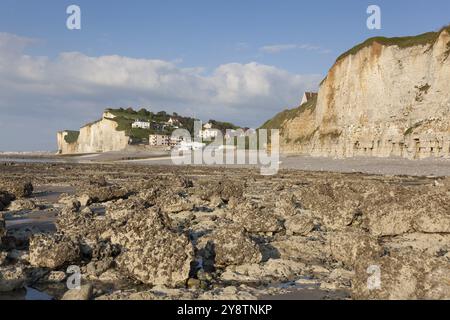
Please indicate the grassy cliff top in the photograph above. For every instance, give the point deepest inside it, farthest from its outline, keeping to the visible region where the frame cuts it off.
(402, 42)
(289, 114)
(71, 136)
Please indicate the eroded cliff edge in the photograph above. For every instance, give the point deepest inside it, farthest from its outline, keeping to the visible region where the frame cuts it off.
(385, 97)
(99, 136)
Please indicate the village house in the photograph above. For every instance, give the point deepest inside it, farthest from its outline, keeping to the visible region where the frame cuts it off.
(157, 140)
(141, 124)
(208, 132)
(173, 122)
(308, 96)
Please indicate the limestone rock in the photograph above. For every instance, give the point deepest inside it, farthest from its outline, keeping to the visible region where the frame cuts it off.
(18, 188)
(69, 202)
(22, 204)
(231, 245)
(287, 206)
(53, 251)
(349, 246)
(11, 278)
(124, 209)
(83, 293)
(312, 249)
(151, 251)
(56, 276)
(5, 199)
(359, 112)
(104, 194)
(403, 275)
(429, 244)
(300, 224)
(272, 270)
(2, 227)
(100, 136)
(256, 220)
(84, 200)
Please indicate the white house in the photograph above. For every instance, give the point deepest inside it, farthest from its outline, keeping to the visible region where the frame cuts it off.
(141, 124)
(173, 122)
(208, 132)
(308, 96)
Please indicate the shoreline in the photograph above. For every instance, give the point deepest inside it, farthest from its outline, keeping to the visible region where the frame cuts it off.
(430, 167)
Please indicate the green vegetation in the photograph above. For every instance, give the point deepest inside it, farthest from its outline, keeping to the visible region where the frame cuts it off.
(424, 88)
(222, 126)
(306, 138)
(333, 135)
(71, 136)
(447, 52)
(126, 117)
(424, 39)
(412, 128)
(289, 114)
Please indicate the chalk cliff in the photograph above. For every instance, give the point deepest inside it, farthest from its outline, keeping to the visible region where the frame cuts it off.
(385, 97)
(100, 136)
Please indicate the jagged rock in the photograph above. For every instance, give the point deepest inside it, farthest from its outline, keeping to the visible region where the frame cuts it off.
(287, 206)
(231, 245)
(429, 244)
(84, 200)
(74, 223)
(20, 189)
(404, 275)
(312, 249)
(392, 214)
(98, 267)
(433, 216)
(256, 220)
(104, 194)
(97, 181)
(123, 209)
(173, 203)
(336, 205)
(70, 202)
(2, 228)
(349, 246)
(3, 257)
(19, 256)
(272, 270)
(53, 251)
(22, 204)
(151, 251)
(225, 189)
(56, 276)
(300, 224)
(5, 199)
(83, 293)
(11, 278)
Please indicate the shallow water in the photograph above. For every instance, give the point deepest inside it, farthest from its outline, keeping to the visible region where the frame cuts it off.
(32, 160)
(26, 293)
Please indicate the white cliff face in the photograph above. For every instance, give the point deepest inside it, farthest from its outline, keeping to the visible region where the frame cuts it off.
(100, 136)
(382, 101)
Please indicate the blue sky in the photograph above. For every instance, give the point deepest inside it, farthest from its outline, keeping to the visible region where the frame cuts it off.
(227, 50)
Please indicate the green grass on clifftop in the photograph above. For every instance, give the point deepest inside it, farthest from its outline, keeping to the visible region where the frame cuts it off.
(289, 114)
(402, 42)
(71, 136)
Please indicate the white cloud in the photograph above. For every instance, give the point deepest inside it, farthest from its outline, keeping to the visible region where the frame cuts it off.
(74, 88)
(277, 48)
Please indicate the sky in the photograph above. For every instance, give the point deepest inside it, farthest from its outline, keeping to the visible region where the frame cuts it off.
(229, 60)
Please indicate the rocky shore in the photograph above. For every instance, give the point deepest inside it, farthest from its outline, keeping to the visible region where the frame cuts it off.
(166, 232)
